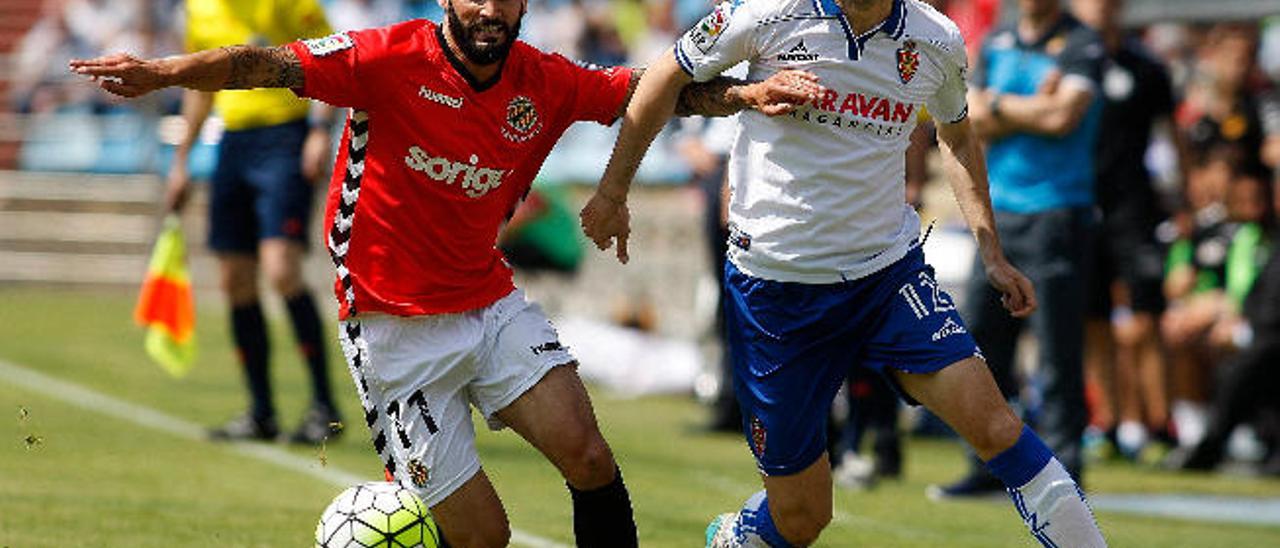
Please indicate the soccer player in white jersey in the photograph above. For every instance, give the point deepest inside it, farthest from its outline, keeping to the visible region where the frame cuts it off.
(825, 262)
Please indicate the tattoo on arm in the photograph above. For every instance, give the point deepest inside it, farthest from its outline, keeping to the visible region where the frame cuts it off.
(712, 98)
(636, 74)
(255, 67)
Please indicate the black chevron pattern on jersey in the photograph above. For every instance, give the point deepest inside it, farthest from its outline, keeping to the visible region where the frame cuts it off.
(339, 239)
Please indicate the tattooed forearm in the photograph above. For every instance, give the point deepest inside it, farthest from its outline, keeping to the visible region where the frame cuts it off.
(255, 67)
(717, 97)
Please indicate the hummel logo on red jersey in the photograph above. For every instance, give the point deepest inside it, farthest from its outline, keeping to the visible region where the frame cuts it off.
(476, 181)
(798, 53)
(432, 95)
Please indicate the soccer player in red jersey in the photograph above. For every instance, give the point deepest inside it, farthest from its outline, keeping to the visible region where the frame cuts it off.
(449, 125)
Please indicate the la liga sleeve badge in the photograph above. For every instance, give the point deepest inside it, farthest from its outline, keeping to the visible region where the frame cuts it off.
(328, 45)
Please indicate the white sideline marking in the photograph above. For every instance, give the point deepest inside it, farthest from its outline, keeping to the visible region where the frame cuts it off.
(103, 404)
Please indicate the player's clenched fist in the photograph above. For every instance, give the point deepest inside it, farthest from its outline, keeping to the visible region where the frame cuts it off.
(123, 74)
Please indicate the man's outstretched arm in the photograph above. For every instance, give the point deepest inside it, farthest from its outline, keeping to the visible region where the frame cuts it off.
(231, 67)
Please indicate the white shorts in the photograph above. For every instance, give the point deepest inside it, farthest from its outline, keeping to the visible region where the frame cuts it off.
(418, 376)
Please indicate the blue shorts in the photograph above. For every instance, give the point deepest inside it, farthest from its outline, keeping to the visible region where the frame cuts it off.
(792, 346)
(257, 191)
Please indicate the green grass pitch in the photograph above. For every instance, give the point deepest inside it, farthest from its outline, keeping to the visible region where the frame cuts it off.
(75, 477)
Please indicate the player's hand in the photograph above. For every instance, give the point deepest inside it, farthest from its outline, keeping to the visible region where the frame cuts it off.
(605, 218)
(178, 187)
(122, 74)
(782, 92)
(315, 155)
(1017, 294)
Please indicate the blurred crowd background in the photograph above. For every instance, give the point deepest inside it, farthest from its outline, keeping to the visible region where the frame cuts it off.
(1214, 167)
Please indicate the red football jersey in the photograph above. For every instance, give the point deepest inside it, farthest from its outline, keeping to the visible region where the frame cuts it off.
(433, 162)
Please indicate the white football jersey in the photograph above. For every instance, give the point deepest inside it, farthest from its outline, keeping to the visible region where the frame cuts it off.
(819, 195)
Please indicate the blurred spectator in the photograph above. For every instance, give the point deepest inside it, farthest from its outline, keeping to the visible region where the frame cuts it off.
(1221, 108)
(1034, 98)
(1209, 275)
(1248, 381)
(1122, 353)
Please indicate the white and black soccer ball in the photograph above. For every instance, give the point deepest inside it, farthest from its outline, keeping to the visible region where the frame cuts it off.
(377, 514)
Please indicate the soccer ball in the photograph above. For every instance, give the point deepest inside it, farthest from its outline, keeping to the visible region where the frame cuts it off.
(377, 514)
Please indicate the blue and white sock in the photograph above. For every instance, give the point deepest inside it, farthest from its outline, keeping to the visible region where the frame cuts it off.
(754, 526)
(1048, 500)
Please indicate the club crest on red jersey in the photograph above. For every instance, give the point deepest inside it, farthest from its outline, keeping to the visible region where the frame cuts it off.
(908, 61)
(522, 120)
(418, 473)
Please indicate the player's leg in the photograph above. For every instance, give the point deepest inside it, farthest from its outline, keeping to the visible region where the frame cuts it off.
(996, 333)
(1044, 494)
(283, 208)
(472, 516)
(555, 416)
(791, 347)
(530, 384)
(924, 345)
(233, 236)
(799, 504)
(411, 375)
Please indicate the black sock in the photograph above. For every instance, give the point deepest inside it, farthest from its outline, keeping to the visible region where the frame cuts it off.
(249, 330)
(602, 517)
(310, 337)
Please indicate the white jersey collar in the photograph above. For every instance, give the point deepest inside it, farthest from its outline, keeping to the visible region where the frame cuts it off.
(893, 26)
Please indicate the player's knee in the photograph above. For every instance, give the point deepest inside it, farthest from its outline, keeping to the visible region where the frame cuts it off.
(588, 463)
(801, 524)
(1001, 431)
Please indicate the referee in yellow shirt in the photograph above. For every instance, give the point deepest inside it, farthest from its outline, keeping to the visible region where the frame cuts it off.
(260, 202)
